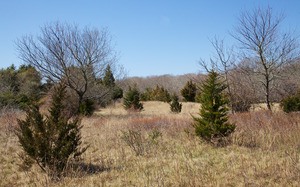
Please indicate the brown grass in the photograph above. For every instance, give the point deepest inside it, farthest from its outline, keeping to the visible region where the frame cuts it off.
(264, 151)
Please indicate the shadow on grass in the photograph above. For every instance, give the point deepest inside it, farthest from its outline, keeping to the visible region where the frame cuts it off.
(93, 168)
(80, 170)
(83, 169)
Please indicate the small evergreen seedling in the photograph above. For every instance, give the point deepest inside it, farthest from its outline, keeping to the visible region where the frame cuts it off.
(50, 140)
(175, 105)
(132, 100)
(213, 122)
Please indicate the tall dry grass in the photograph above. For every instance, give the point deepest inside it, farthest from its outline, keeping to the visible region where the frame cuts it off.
(264, 151)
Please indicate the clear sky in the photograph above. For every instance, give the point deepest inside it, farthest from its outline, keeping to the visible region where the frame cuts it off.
(153, 37)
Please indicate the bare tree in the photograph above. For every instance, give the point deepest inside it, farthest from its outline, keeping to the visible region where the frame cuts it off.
(260, 36)
(223, 61)
(67, 53)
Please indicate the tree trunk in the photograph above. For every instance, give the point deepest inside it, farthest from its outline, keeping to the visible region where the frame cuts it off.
(268, 92)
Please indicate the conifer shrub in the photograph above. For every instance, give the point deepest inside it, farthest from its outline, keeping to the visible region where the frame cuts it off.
(50, 140)
(108, 79)
(19, 86)
(291, 103)
(189, 91)
(117, 93)
(175, 105)
(108, 82)
(156, 94)
(87, 107)
(132, 100)
(160, 94)
(212, 126)
(146, 95)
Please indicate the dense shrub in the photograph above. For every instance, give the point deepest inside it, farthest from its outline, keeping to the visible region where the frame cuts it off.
(175, 105)
(117, 93)
(87, 107)
(146, 95)
(156, 94)
(132, 100)
(291, 103)
(50, 140)
(213, 122)
(18, 86)
(239, 104)
(189, 91)
(160, 94)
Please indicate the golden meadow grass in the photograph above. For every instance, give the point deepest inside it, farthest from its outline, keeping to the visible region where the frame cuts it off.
(263, 151)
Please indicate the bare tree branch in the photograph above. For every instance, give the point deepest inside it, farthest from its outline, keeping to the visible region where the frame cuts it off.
(64, 52)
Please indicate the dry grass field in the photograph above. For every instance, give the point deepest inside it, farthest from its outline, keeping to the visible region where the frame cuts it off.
(263, 151)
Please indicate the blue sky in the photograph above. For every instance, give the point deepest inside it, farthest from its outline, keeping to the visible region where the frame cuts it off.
(153, 37)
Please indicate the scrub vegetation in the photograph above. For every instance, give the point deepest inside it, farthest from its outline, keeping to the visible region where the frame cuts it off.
(264, 151)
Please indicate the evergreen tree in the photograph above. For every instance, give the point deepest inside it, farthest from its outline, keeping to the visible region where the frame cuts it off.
(87, 107)
(108, 79)
(146, 96)
(160, 94)
(109, 82)
(213, 122)
(175, 105)
(50, 140)
(291, 103)
(189, 91)
(132, 99)
(19, 86)
(117, 93)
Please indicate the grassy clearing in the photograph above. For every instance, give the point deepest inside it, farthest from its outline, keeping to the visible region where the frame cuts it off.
(264, 151)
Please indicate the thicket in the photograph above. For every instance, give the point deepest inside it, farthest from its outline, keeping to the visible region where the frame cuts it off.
(131, 101)
(212, 126)
(156, 94)
(51, 140)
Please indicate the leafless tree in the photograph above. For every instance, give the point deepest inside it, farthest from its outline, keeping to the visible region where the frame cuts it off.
(223, 61)
(262, 40)
(64, 52)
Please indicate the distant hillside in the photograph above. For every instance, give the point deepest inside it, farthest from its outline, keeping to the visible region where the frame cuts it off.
(170, 82)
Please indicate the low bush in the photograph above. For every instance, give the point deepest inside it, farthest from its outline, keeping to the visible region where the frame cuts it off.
(291, 103)
(175, 105)
(87, 107)
(138, 143)
(240, 104)
(131, 100)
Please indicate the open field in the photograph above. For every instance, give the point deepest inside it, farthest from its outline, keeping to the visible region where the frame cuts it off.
(263, 151)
